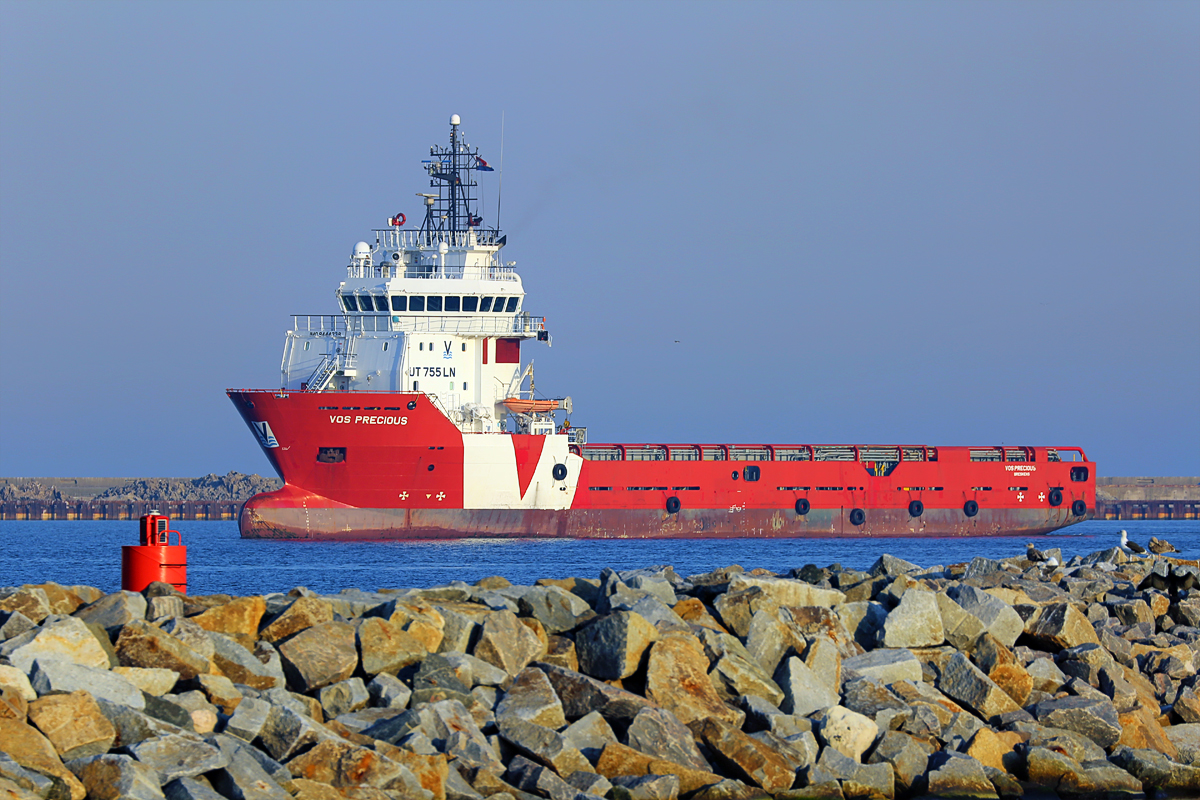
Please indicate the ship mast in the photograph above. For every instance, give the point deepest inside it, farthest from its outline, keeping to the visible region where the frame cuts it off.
(452, 173)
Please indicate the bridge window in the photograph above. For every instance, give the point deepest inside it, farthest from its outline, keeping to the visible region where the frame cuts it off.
(349, 302)
(433, 302)
(452, 302)
(364, 302)
(399, 302)
(331, 455)
(498, 306)
(381, 303)
(485, 304)
(512, 304)
(416, 303)
(470, 304)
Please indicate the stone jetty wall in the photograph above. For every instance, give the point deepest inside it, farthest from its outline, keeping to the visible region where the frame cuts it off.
(983, 680)
(208, 497)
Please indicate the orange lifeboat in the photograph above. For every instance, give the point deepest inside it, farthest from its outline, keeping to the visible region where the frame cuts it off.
(519, 406)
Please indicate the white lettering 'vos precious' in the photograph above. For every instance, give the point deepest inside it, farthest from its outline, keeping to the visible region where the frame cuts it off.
(367, 420)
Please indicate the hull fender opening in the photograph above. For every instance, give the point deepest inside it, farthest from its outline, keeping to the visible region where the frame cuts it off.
(970, 508)
(858, 517)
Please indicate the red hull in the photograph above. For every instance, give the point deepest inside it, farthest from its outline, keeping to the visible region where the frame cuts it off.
(405, 473)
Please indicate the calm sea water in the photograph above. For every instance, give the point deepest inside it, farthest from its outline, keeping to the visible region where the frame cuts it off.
(82, 552)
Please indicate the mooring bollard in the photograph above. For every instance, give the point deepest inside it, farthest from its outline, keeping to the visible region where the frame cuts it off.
(154, 559)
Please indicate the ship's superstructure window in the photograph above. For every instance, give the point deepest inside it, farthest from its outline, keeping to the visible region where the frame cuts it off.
(751, 473)
(349, 302)
(512, 305)
(364, 302)
(485, 304)
(420, 345)
(470, 304)
(306, 344)
(464, 347)
(415, 385)
(416, 303)
(399, 302)
(381, 303)
(433, 302)
(452, 303)
(385, 346)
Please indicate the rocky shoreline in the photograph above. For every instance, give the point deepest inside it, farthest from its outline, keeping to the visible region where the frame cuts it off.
(983, 680)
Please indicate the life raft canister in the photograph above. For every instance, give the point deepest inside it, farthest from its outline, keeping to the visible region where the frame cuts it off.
(154, 559)
(397, 220)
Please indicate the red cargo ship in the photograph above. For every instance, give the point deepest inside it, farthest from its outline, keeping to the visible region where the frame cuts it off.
(406, 416)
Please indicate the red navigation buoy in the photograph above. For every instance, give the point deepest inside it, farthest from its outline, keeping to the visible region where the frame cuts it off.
(154, 559)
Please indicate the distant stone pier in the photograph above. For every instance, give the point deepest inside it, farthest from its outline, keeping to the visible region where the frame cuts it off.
(1148, 498)
(89, 509)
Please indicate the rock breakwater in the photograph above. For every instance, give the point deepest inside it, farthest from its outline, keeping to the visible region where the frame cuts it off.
(980, 680)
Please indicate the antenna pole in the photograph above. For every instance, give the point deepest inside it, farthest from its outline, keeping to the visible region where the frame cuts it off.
(500, 182)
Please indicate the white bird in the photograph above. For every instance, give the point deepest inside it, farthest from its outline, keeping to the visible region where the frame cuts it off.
(1131, 546)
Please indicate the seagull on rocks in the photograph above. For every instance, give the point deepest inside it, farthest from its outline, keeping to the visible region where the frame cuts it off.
(1160, 546)
(1133, 547)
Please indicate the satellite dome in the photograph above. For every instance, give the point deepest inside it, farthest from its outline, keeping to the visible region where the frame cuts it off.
(362, 249)
(454, 120)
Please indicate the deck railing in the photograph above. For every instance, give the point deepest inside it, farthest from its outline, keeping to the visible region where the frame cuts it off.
(338, 325)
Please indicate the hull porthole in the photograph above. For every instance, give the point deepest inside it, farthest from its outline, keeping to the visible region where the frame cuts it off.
(559, 472)
(970, 508)
(1055, 497)
(803, 506)
(858, 517)
(673, 505)
(916, 508)
(1079, 508)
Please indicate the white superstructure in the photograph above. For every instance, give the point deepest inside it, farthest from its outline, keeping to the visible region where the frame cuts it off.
(432, 309)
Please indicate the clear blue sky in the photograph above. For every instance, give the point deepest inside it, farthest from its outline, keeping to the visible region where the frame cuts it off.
(941, 223)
